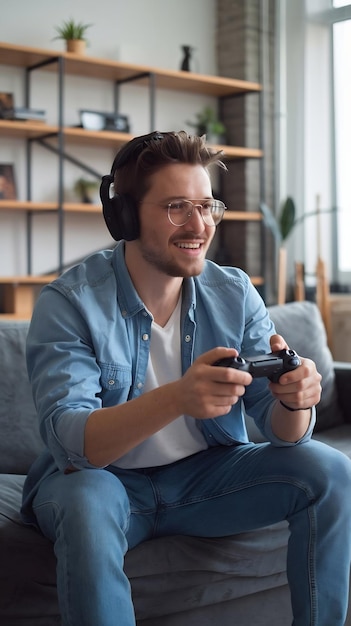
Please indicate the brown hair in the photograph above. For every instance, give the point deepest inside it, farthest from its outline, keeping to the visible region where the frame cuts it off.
(143, 156)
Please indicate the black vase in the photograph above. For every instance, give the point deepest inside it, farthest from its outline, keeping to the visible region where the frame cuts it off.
(187, 51)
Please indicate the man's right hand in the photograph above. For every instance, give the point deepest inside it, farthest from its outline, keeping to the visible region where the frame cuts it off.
(206, 391)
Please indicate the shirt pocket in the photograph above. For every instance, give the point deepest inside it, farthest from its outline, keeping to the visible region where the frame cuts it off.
(115, 377)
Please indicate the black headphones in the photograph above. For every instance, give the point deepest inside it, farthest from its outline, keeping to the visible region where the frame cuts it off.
(120, 210)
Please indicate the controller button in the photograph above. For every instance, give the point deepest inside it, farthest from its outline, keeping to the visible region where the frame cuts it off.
(294, 361)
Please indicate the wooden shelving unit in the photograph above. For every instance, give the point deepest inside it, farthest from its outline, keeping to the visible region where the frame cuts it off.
(18, 292)
(90, 67)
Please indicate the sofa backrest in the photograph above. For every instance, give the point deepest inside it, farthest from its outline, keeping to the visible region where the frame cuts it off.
(20, 442)
(301, 325)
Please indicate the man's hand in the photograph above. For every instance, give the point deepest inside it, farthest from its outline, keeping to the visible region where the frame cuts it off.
(206, 391)
(299, 390)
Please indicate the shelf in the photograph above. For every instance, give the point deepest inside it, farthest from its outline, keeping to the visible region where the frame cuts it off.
(242, 216)
(91, 67)
(235, 216)
(94, 137)
(18, 294)
(165, 79)
(36, 130)
(26, 129)
(113, 138)
(69, 207)
(234, 152)
(24, 56)
(27, 280)
(258, 281)
(80, 207)
(26, 205)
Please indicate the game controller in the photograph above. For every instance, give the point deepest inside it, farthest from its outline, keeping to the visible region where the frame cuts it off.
(271, 365)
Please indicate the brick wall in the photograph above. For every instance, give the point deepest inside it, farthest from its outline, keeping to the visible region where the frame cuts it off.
(240, 55)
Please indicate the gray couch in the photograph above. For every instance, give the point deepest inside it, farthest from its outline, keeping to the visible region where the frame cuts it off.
(176, 581)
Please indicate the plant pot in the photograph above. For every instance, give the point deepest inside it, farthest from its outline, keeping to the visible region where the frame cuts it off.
(77, 46)
(215, 139)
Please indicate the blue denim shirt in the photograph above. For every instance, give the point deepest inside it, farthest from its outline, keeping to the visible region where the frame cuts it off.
(88, 347)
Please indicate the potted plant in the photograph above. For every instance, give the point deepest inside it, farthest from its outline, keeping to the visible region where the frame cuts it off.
(73, 33)
(84, 188)
(207, 123)
(281, 227)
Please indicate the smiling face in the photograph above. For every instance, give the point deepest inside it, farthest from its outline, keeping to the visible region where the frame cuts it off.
(177, 251)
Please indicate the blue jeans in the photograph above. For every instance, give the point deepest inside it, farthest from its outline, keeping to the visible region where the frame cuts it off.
(94, 516)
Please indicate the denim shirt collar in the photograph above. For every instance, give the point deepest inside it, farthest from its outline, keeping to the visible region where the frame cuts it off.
(129, 301)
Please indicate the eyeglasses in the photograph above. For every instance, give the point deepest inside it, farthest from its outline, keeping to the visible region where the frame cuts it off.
(180, 211)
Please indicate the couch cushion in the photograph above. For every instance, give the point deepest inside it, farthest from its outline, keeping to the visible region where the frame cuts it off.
(338, 437)
(183, 573)
(28, 566)
(301, 325)
(20, 442)
(186, 573)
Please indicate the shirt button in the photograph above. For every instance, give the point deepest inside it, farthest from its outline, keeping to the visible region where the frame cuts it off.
(124, 313)
(145, 337)
(187, 338)
(140, 385)
(111, 382)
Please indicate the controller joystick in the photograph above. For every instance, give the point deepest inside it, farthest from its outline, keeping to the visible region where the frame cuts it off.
(271, 365)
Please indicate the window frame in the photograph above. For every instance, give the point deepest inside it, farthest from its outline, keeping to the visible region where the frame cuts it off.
(307, 132)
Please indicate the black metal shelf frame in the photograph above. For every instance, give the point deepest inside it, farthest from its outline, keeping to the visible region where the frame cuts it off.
(59, 148)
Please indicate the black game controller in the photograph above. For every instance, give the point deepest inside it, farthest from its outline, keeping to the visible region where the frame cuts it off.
(272, 365)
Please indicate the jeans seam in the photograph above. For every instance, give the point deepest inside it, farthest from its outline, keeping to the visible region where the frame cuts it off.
(219, 494)
(151, 510)
(65, 570)
(312, 568)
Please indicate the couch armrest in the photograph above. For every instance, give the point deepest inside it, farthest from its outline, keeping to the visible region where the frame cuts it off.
(343, 384)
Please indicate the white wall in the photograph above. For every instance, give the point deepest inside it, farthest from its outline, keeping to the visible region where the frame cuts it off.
(149, 32)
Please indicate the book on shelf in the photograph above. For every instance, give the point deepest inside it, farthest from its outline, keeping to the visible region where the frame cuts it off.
(25, 113)
(8, 110)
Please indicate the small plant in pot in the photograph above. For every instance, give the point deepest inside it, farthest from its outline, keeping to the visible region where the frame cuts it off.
(73, 33)
(207, 123)
(84, 188)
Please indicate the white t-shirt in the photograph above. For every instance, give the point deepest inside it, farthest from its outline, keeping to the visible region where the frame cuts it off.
(182, 437)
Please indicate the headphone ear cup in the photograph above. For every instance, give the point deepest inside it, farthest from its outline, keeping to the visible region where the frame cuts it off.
(125, 218)
(120, 212)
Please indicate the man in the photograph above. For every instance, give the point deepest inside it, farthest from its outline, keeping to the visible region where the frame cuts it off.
(145, 436)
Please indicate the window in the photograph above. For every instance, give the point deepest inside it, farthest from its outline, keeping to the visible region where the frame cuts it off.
(342, 113)
(317, 99)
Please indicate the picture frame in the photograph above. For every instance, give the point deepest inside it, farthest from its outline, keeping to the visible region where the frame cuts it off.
(7, 105)
(8, 189)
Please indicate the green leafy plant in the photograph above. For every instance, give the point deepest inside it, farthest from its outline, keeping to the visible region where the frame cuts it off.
(287, 218)
(282, 226)
(207, 123)
(71, 30)
(83, 188)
